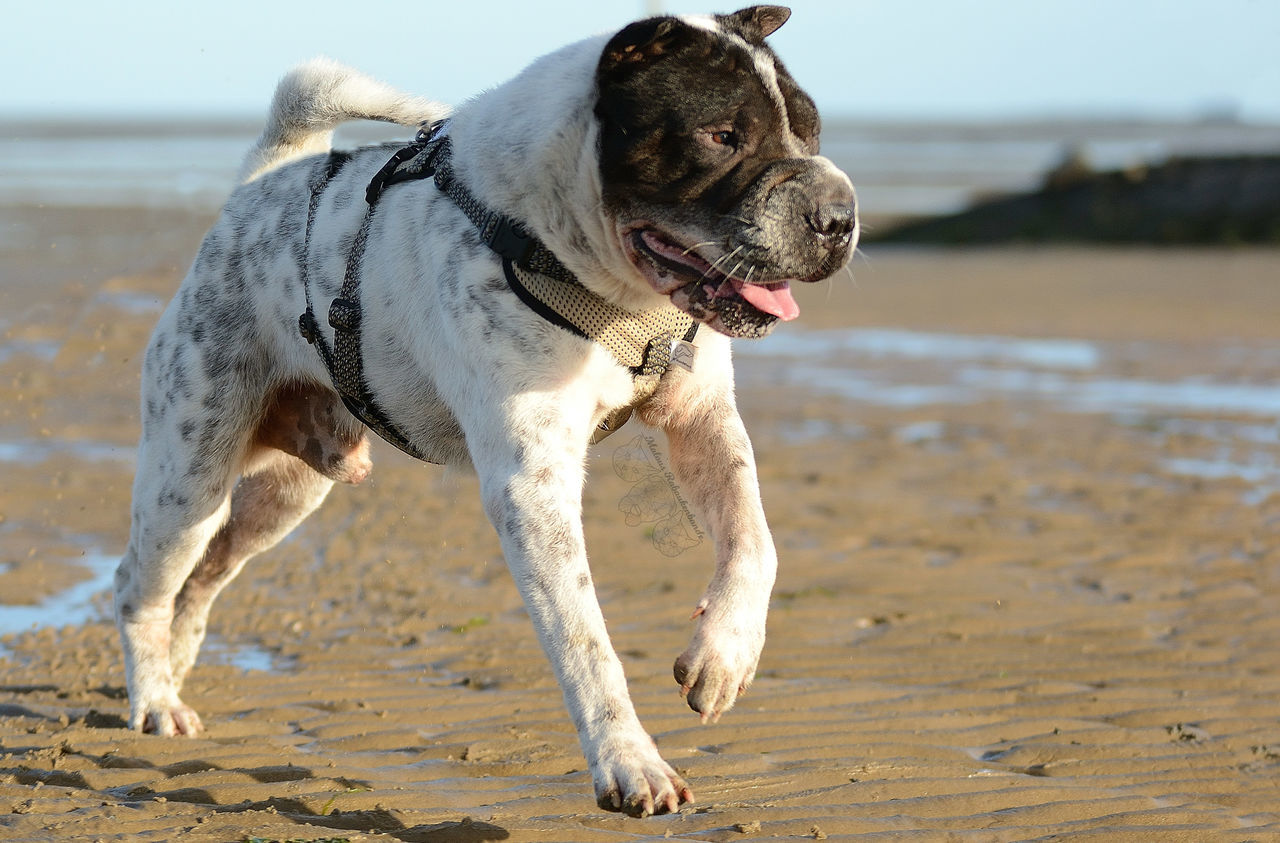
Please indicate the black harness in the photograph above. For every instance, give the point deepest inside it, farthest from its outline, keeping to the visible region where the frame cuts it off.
(522, 253)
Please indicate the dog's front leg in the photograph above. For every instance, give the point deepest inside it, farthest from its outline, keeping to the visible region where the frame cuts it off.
(532, 488)
(713, 460)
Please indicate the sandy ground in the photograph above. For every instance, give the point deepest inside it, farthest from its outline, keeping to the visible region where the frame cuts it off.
(1020, 598)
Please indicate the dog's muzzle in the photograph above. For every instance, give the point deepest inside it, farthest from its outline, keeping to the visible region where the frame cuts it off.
(797, 223)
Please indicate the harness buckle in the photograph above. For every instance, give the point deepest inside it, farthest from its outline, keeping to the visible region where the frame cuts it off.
(511, 241)
(344, 315)
(307, 326)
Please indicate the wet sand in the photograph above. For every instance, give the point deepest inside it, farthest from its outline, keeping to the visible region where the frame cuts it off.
(1026, 590)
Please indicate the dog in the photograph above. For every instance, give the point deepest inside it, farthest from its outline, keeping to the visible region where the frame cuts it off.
(672, 168)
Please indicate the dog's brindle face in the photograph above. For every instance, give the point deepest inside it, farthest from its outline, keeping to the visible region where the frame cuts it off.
(709, 168)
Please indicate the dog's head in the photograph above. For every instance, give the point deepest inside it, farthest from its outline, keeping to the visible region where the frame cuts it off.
(710, 169)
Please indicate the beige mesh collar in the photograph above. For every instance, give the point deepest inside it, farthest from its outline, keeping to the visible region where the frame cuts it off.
(648, 342)
(638, 339)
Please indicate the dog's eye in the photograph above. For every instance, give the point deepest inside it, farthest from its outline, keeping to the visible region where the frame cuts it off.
(725, 137)
(720, 139)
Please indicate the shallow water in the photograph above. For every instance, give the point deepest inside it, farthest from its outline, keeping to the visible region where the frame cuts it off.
(74, 605)
(899, 169)
(871, 365)
(903, 370)
(877, 343)
(88, 601)
(244, 655)
(35, 451)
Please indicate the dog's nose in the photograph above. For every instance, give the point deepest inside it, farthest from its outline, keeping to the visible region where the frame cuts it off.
(834, 223)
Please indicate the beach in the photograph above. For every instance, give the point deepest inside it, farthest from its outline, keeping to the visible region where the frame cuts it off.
(1027, 508)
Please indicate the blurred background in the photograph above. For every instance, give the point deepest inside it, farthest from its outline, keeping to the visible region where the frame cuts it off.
(931, 106)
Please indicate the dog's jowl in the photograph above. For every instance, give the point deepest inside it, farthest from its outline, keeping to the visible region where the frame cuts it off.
(499, 293)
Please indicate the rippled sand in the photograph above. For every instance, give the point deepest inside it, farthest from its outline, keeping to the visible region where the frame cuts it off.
(1027, 588)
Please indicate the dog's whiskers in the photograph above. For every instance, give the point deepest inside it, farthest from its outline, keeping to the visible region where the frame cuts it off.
(723, 259)
(697, 246)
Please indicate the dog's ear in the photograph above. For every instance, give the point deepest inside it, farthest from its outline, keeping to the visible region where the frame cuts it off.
(642, 42)
(758, 22)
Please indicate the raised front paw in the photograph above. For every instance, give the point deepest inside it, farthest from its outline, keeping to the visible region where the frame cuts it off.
(166, 719)
(718, 666)
(631, 777)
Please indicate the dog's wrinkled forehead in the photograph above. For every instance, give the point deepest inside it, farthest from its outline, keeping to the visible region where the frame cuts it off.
(667, 85)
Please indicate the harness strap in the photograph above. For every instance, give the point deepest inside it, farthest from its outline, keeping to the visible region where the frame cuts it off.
(505, 236)
(344, 361)
(647, 343)
(641, 341)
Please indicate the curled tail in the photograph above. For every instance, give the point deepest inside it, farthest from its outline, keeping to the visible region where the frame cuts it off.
(315, 97)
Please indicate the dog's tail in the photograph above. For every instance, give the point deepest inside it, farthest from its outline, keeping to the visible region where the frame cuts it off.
(315, 97)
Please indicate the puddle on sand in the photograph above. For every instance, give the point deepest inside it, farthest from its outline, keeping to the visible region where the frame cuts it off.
(35, 451)
(892, 368)
(89, 600)
(42, 350)
(75, 605)
(133, 302)
(244, 655)
(1118, 395)
(911, 369)
(920, 345)
(1245, 451)
(1262, 473)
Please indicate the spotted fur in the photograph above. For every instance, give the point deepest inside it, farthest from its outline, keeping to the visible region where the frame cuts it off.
(243, 435)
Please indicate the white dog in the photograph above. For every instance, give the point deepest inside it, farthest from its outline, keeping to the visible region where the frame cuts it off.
(513, 284)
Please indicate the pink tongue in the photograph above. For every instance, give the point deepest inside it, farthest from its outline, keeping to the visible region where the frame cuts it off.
(777, 301)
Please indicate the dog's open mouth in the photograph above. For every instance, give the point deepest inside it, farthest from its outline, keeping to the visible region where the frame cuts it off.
(717, 295)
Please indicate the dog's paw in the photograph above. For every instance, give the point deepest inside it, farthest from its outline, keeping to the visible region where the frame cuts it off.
(635, 780)
(166, 720)
(718, 667)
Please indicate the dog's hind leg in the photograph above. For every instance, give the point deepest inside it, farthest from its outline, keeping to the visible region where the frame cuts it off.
(303, 443)
(180, 501)
(200, 402)
(265, 507)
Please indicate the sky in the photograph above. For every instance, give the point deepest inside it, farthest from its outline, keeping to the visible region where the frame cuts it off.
(894, 59)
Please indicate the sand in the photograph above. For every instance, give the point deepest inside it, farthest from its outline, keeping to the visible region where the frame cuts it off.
(1017, 600)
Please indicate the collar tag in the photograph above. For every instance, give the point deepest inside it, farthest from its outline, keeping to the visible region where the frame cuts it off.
(684, 354)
